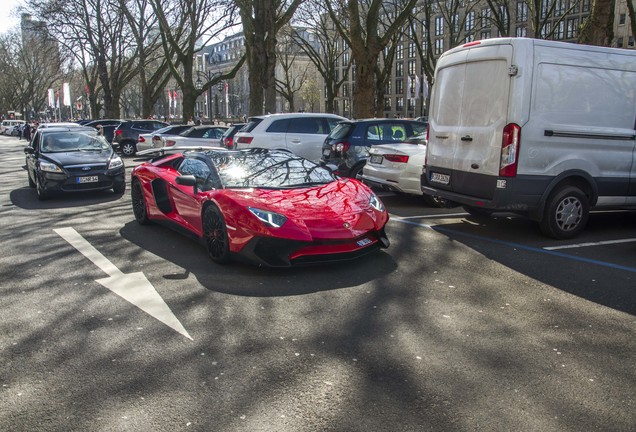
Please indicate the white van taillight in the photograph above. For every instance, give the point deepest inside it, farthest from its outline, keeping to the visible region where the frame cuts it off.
(428, 131)
(509, 150)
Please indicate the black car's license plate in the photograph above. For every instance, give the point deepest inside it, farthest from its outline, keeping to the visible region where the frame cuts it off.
(326, 152)
(376, 159)
(440, 178)
(88, 179)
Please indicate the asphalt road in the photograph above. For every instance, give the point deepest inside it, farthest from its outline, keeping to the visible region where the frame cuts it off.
(461, 325)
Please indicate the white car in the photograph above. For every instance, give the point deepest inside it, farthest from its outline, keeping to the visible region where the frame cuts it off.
(398, 168)
(11, 127)
(300, 133)
(153, 139)
(201, 136)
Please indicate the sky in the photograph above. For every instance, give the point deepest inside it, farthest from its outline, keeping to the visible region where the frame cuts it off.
(7, 19)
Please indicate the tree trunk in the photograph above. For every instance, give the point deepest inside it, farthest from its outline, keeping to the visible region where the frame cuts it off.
(363, 93)
(598, 28)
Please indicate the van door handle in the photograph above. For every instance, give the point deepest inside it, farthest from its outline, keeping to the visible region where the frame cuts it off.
(467, 138)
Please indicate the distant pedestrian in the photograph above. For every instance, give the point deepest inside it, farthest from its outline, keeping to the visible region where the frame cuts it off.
(27, 132)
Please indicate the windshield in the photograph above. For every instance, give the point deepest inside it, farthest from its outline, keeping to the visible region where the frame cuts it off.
(258, 168)
(58, 142)
(340, 131)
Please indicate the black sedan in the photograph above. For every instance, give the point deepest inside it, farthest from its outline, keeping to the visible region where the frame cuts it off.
(72, 160)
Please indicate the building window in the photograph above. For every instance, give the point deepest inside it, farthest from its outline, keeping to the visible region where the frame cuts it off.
(559, 8)
(439, 26)
(400, 104)
(399, 86)
(559, 32)
(621, 19)
(399, 52)
(619, 42)
(485, 34)
(412, 66)
(412, 50)
(522, 11)
(572, 28)
(545, 30)
(455, 23)
(485, 17)
(345, 90)
(387, 88)
(439, 46)
(585, 5)
(399, 69)
(503, 12)
(470, 21)
(387, 104)
(520, 31)
(630, 41)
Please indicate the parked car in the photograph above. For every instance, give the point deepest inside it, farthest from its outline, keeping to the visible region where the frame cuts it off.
(398, 168)
(540, 128)
(75, 159)
(300, 133)
(127, 134)
(227, 140)
(12, 127)
(153, 139)
(58, 125)
(346, 149)
(269, 207)
(203, 136)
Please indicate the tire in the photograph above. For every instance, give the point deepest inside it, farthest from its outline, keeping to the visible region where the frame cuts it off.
(140, 209)
(566, 213)
(128, 148)
(477, 212)
(356, 172)
(39, 190)
(119, 188)
(215, 235)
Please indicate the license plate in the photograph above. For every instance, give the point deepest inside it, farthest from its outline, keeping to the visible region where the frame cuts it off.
(440, 178)
(363, 242)
(326, 152)
(89, 179)
(376, 159)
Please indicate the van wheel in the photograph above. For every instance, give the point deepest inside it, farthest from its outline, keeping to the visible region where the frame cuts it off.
(477, 212)
(566, 213)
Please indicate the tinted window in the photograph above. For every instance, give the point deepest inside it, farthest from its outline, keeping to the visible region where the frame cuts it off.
(341, 130)
(249, 127)
(278, 126)
(57, 142)
(307, 125)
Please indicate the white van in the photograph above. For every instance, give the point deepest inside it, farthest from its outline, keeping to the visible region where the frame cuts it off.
(540, 128)
(10, 127)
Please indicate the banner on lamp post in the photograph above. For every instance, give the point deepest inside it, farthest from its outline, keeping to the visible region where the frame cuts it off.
(66, 89)
(51, 94)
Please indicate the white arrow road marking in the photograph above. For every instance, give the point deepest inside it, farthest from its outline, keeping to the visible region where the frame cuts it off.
(133, 287)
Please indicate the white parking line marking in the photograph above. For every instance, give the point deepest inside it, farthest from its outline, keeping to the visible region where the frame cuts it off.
(437, 216)
(579, 245)
(132, 287)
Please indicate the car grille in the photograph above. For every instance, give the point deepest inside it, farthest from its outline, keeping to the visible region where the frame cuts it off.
(81, 169)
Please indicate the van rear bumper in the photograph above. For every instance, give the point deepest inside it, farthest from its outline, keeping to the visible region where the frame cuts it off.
(521, 194)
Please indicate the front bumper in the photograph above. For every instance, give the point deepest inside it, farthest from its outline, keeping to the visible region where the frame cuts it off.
(63, 182)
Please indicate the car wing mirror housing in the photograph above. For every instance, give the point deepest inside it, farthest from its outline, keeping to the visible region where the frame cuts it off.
(187, 180)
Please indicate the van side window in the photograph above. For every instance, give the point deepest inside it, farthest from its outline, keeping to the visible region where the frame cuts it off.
(278, 126)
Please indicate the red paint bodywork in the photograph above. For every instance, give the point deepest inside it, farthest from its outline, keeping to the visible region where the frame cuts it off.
(331, 219)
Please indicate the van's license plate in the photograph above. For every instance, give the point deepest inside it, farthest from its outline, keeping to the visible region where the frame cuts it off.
(90, 179)
(440, 178)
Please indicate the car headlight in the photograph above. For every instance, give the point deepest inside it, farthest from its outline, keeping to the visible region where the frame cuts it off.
(115, 162)
(50, 167)
(376, 203)
(271, 219)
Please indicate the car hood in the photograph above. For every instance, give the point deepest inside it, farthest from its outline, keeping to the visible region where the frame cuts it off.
(340, 209)
(79, 157)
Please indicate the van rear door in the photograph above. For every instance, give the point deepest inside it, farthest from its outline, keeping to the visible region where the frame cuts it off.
(469, 111)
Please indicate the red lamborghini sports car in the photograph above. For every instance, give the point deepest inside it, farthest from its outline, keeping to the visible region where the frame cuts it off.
(267, 206)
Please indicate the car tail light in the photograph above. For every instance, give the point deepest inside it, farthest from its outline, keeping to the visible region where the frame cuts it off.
(118, 132)
(428, 131)
(341, 146)
(244, 140)
(396, 158)
(510, 150)
(141, 139)
(170, 143)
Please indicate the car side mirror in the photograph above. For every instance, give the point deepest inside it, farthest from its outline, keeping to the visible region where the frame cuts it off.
(187, 180)
(29, 150)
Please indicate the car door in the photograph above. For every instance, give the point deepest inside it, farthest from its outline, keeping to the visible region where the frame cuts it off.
(305, 136)
(187, 199)
(31, 158)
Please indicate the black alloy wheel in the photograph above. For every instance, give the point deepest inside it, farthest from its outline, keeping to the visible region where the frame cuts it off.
(215, 235)
(40, 190)
(139, 203)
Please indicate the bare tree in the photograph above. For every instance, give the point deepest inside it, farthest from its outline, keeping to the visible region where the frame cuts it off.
(598, 28)
(262, 20)
(185, 27)
(326, 51)
(359, 25)
(294, 71)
